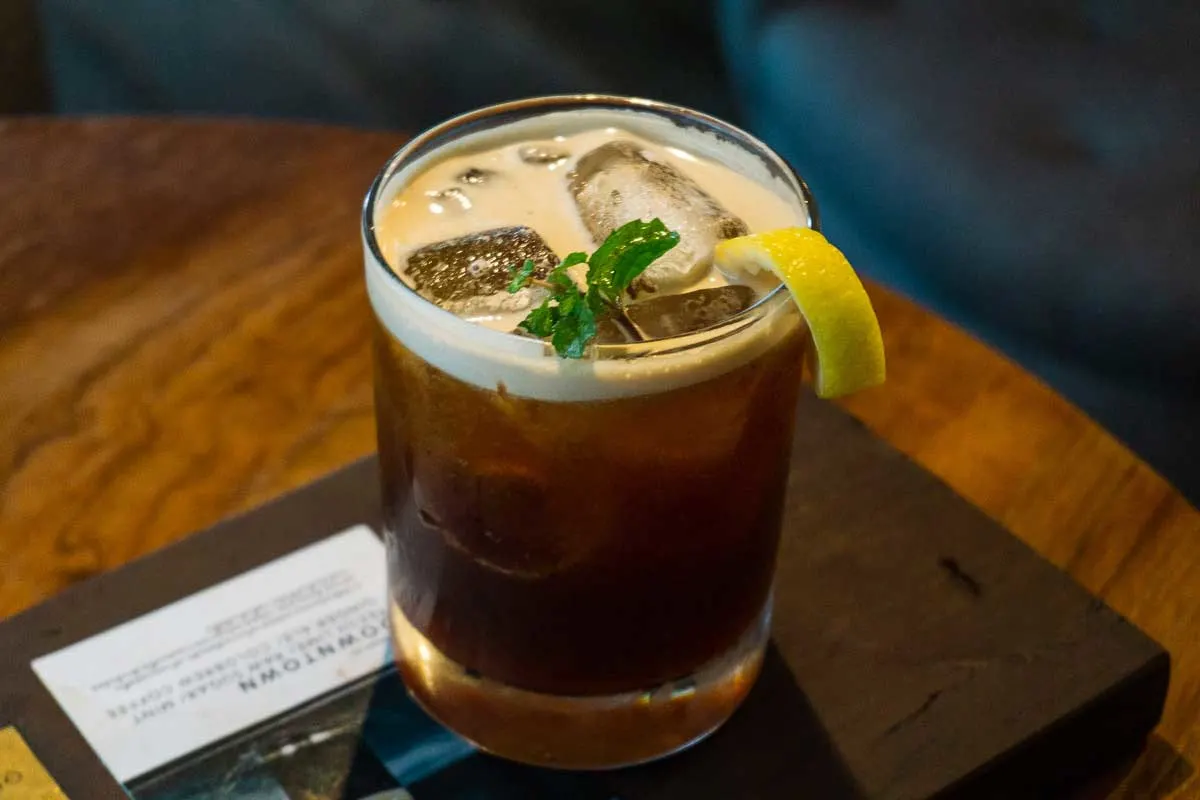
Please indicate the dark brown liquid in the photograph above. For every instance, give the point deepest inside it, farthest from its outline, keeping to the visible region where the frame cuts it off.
(584, 547)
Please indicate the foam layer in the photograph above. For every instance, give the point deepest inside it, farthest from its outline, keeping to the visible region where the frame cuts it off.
(487, 357)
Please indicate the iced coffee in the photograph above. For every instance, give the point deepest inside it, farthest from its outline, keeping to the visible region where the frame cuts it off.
(581, 540)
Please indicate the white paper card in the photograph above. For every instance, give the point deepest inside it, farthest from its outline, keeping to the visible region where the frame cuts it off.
(163, 685)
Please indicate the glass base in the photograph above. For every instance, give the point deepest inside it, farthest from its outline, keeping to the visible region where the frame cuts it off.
(579, 732)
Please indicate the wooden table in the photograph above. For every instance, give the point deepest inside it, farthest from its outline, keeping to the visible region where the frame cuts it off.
(183, 334)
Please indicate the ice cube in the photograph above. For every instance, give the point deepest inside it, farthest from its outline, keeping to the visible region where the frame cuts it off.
(543, 155)
(495, 513)
(499, 303)
(675, 314)
(616, 183)
(475, 176)
(470, 275)
(608, 331)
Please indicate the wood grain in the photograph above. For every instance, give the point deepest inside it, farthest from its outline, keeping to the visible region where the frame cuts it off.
(183, 334)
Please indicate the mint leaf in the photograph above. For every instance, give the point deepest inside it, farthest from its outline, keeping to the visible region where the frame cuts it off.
(559, 280)
(625, 255)
(560, 277)
(521, 276)
(576, 326)
(568, 316)
(572, 259)
(596, 301)
(541, 321)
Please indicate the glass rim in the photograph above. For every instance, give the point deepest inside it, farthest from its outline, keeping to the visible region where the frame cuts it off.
(447, 129)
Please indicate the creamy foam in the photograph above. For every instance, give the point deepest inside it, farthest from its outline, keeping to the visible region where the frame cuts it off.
(409, 212)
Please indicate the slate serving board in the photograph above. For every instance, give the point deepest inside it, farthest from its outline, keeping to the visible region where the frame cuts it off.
(919, 649)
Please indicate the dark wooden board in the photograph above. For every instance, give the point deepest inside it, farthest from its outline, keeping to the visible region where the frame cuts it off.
(919, 649)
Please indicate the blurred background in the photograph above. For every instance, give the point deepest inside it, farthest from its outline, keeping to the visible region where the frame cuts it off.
(1029, 169)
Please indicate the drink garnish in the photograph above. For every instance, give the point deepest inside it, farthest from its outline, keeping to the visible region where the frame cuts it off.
(845, 331)
(567, 317)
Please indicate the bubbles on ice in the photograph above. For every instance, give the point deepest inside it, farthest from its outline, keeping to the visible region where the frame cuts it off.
(470, 275)
(448, 200)
(617, 182)
(550, 155)
(661, 316)
(676, 314)
(475, 176)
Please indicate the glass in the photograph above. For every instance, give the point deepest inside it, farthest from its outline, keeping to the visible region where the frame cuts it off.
(580, 553)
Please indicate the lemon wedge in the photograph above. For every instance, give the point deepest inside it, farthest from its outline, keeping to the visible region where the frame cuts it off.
(842, 323)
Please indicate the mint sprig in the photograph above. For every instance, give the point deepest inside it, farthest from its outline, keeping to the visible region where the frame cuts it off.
(568, 316)
(521, 276)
